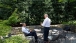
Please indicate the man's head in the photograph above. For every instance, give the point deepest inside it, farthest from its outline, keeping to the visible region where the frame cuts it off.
(45, 15)
(24, 24)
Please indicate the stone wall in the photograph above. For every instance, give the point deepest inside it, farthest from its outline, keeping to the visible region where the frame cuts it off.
(17, 30)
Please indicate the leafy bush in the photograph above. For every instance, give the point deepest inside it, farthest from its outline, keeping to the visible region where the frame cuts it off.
(70, 22)
(16, 39)
(72, 25)
(4, 29)
(5, 24)
(1, 41)
(13, 19)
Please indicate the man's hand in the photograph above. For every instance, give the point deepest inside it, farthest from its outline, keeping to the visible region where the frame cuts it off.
(41, 23)
(30, 30)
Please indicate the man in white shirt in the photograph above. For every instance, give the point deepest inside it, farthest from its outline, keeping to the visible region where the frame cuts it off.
(28, 32)
(46, 24)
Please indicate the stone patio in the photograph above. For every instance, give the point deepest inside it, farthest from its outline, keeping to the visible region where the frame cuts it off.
(70, 37)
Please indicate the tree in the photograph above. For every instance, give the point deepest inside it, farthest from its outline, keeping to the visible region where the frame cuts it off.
(32, 11)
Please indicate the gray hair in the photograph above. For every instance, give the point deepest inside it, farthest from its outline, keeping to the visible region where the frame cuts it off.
(22, 23)
(46, 15)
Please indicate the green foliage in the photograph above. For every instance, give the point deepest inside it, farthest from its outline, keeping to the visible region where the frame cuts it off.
(37, 11)
(13, 19)
(31, 11)
(5, 24)
(1, 41)
(7, 7)
(4, 29)
(72, 0)
(16, 39)
(73, 22)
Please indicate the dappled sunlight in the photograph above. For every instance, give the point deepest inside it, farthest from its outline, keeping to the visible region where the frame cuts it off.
(72, 38)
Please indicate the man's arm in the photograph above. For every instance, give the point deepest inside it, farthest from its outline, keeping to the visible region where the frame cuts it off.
(44, 22)
(25, 30)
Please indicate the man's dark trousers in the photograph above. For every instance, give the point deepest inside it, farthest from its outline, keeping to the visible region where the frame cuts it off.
(32, 33)
(46, 33)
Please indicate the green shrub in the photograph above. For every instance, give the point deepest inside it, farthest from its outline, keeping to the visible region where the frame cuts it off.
(5, 25)
(4, 29)
(70, 22)
(5, 22)
(13, 19)
(72, 25)
(1, 21)
(16, 39)
(1, 41)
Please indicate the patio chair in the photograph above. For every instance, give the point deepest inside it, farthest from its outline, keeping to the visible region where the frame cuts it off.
(31, 38)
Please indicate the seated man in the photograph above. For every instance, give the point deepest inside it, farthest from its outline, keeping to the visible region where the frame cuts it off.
(28, 32)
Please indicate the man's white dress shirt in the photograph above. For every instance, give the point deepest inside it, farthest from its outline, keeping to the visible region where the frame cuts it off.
(46, 22)
(25, 30)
